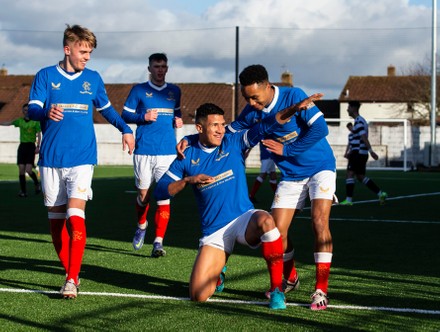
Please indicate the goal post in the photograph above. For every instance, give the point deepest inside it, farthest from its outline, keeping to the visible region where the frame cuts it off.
(388, 138)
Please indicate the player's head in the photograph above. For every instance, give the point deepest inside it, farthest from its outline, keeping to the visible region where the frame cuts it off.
(78, 43)
(255, 86)
(78, 34)
(24, 109)
(353, 108)
(158, 68)
(210, 124)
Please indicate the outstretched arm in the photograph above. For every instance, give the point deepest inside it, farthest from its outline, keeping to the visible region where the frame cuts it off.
(284, 116)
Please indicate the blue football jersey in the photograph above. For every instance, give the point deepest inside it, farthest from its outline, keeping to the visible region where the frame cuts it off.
(227, 197)
(153, 137)
(71, 141)
(306, 149)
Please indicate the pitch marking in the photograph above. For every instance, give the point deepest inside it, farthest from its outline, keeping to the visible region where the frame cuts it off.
(157, 297)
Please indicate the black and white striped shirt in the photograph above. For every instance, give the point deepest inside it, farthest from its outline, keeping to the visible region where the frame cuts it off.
(360, 128)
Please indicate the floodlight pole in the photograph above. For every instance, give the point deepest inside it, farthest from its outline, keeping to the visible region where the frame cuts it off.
(433, 84)
(236, 96)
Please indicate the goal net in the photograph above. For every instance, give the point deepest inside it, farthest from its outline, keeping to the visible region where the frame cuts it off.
(388, 138)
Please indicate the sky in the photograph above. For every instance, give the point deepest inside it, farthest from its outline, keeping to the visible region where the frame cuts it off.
(321, 42)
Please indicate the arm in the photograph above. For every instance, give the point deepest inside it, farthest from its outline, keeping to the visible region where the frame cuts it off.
(271, 123)
(315, 133)
(167, 187)
(38, 143)
(113, 118)
(373, 154)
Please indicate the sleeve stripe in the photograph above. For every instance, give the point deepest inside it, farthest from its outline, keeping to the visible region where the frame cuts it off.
(36, 102)
(129, 109)
(104, 107)
(173, 176)
(232, 130)
(313, 119)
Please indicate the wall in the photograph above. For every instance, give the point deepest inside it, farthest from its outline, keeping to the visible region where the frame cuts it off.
(387, 142)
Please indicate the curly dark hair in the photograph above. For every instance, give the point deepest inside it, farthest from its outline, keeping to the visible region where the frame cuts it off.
(253, 74)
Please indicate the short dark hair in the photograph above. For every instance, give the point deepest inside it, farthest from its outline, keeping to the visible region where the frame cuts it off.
(206, 109)
(253, 74)
(354, 103)
(157, 57)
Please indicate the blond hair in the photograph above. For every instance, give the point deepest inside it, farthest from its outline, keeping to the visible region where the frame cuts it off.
(77, 33)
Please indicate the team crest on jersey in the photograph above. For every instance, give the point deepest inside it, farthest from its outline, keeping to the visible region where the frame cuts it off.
(195, 162)
(171, 96)
(149, 95)
(221, 155)
(55, 86)
(86, 88)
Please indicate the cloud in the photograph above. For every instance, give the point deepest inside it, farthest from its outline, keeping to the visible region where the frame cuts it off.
(321, 42)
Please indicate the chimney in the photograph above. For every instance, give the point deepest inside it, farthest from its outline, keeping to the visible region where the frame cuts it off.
(391, 70)
(287, 78)
(3, 71)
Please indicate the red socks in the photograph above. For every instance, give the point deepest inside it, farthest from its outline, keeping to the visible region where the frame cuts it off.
(60, 237)
(289, 270)
(272, 247)
(323, 261)
(76, 220)
(162, 217)
(142, 211)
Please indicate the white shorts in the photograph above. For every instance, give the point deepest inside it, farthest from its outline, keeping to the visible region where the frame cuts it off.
(226, 237)
(60, 184)
(267, 166)
(150, 168)
(293, 194)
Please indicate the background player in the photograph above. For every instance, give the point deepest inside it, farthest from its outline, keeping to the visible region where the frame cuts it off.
(62, 98)
(357, 161)
(155, 108)
(267, 168)
(30, 139)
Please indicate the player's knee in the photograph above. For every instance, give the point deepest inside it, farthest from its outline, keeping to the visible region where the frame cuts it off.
(199, 295)
(265, 222)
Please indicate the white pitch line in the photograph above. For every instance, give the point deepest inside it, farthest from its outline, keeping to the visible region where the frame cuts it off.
(157, 297)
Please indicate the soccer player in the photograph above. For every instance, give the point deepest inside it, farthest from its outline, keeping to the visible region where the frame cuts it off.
(267, 168)
(155, 108)
(357, 161)
(30, 138)
(308, 169)
(62, 98)
(214, 166)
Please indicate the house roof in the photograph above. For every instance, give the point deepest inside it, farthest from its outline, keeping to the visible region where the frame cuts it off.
(387, 89)
(14, 92)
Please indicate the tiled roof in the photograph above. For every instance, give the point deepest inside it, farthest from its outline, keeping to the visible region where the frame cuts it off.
(14, 92)
(387, 89)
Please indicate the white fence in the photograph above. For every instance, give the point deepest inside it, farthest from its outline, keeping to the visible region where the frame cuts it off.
(387, 142)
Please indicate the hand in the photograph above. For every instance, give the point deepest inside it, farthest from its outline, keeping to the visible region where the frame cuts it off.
(180, 148)
(37, 150)
(55, 113)
(273, 146)
(308, 102)
(374, 155)
(285, 115)
(199, 179)
(178, 122)
(151, 115)
(128, 141)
